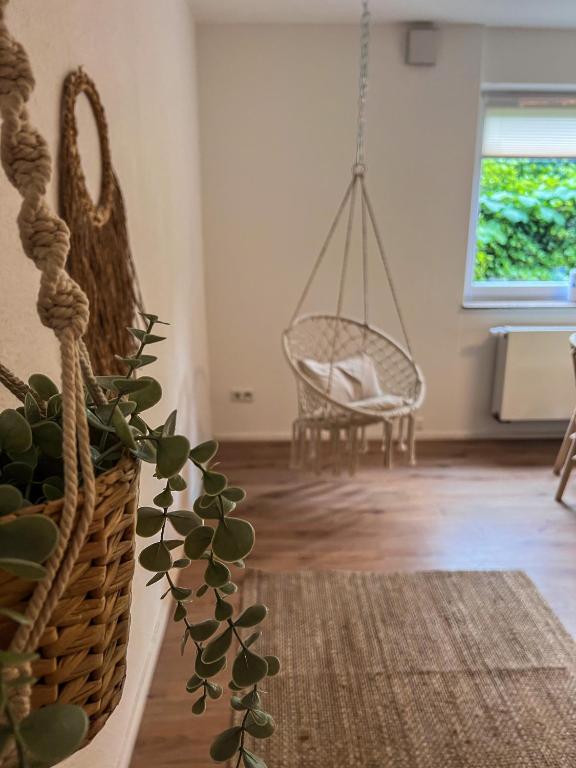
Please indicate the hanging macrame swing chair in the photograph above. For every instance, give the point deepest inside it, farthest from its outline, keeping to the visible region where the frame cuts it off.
(349, 374)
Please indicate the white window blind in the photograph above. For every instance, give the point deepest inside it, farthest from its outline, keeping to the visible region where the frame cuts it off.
(530, 126)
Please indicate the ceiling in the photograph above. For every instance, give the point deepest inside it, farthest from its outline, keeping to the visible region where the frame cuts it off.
(516, 13)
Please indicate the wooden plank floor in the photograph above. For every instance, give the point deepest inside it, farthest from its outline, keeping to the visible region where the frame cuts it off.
(479, 505)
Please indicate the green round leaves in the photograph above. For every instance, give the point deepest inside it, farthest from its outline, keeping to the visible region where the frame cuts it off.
(202, 453)
(207, 507)
(148, 395)
(260, 730)
(251, 760)
(184, 520)
(25, 543)
(236, 703)
(53, 488)
(48, 437)
(205, 670)
(218, 647)
(31, 409)
(223, 610)
(172, 455)
(194, 683)
(248, 668)
(225, 746)
(54, 732)
(155, 578)
(10, 499)
(252, 616)
(273, 665)
(214, 690)
(198, 541)
(123, 429)
(156, 557)
(216, 574)
(199, 706)
(177, 483)
(149, 521)
(19, 473)
(234, 494)
(214, 483)
(43, 386)
(164, 499)
(180, 593)
(15, 432)
(203, 630)
(233, 540)
(179, 612)
(251, 700)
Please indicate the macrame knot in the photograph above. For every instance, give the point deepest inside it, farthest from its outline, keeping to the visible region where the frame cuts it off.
(45, 237)
(16, 78)
(27, 161)
(63, 305)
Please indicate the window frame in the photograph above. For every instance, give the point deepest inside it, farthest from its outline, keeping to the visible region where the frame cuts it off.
(506, 293)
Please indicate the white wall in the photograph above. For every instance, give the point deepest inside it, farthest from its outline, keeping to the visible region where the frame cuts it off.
(277, 126)
(141, 54)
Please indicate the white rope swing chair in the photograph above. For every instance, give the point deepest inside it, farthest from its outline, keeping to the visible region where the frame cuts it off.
(350, 374)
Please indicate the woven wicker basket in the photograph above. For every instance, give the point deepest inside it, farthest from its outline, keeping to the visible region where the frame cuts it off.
(83, 649)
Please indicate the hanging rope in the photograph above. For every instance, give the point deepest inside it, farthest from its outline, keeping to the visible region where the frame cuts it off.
(363, 82)
(13, 384)
(342, 281)
(323, 250)
(63, 307)
(382, 253)
(366, 210)
(365, 260)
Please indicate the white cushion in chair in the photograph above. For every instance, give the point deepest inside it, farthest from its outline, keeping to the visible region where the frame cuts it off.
(343, 388)
(380, 403)
(361, 368)
(353, 379)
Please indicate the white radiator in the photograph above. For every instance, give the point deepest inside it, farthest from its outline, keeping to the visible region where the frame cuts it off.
(534, 376)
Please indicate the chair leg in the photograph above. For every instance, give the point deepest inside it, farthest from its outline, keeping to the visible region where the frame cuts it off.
(335, 450)
(318, 450)
(295, 447)
(354, 448)
(565, 447)
(388, 443)
(402, 434)
(567, 469)
(307, 447)
(364, 446)
(412, 440)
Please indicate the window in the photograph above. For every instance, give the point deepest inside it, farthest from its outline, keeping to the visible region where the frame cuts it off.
(523, 229)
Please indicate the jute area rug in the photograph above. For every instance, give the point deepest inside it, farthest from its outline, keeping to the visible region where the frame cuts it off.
(422, 670)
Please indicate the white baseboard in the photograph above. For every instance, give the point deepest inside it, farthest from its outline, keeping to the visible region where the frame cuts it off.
(139, 702)
(505, 432)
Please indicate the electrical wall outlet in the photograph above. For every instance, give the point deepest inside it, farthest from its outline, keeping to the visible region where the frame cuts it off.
(242, 396)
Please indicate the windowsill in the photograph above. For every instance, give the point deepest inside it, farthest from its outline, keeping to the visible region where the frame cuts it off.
(517, 304)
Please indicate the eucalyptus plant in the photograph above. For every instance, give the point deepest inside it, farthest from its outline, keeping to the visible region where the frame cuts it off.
(209, 535)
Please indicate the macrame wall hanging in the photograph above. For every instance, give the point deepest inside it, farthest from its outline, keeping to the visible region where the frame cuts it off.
(100, 260)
